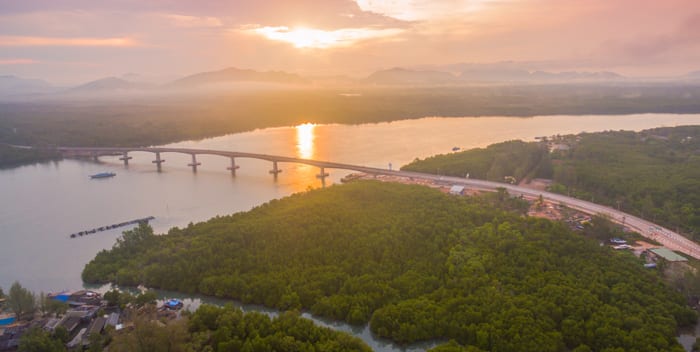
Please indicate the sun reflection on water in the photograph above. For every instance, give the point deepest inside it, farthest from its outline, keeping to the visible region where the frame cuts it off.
(305, 140)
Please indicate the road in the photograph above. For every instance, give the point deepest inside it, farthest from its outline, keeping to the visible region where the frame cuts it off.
(666, 237)
(646, 228)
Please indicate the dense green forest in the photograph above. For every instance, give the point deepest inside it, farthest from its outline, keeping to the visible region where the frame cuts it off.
(654, 174)
(155, 120)
(417, 265)
(517, 159)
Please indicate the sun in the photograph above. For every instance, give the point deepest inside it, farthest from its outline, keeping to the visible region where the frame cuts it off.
(304, 38)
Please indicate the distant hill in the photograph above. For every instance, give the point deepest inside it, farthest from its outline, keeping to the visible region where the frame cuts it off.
(400, 76)
(13, 85)
(523, 75)
(476, 73)
(693, 75)
(234, 75)
(108, 84)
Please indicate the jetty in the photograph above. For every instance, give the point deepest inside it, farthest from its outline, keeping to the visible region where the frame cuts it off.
(113, 226)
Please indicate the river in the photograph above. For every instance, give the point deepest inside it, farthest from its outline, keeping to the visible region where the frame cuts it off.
(43, 204)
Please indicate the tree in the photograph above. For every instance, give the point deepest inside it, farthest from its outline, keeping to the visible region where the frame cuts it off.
(2, 294)
(43, 306)
(37, 340)
(20, 300)
(55, 307)
(151, 336)
(148, 297)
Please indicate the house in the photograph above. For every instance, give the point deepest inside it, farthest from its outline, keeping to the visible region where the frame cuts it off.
(457, 190)
(559, 147)
(667, 255)
(112, 320)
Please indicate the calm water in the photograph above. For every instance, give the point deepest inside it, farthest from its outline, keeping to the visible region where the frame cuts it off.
(42, 204)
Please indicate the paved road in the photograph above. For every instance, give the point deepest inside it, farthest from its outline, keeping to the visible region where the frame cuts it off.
(647, 229)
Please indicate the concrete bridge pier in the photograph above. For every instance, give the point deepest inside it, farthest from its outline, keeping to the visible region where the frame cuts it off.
(275, 170)
(194, 163)
(233, 166)
(126, 158)
(323, 174)
(158, 161)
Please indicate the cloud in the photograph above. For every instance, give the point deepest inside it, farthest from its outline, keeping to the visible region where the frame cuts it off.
(53, 41)
(18, 61)
(685, 36)
(420, 10)
(193, 21)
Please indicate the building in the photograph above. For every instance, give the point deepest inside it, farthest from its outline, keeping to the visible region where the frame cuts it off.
(112, 320)
(667, 255)
(457, 190)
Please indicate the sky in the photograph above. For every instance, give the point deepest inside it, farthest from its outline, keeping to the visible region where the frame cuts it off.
(74, 41)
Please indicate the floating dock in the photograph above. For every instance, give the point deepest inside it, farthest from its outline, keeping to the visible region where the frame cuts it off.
(113, 226)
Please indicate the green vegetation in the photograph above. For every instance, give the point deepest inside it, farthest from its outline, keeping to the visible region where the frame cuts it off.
(418, 265)
(10, 156)
(140, 121)
(654, 174)
(38, 340)
(516, 159)
(51, 306)
(227, 328)
(21, 301)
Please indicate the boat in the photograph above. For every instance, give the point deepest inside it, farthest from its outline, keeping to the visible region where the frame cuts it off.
(103, 175)
(454, 149)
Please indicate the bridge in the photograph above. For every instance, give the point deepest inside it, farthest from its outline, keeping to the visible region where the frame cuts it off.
(666, 237)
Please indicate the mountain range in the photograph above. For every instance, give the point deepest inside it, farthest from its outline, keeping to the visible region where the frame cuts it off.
(448, 75)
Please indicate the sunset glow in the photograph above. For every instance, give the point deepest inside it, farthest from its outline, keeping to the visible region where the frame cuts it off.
(305, 140)
(320, 39)
(51, 41)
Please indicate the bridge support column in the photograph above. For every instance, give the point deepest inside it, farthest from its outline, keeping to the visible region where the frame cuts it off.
(158, 161)
(194, 163)
(233, 166)
(95, 157)
(275, 170)
(126, 158)
(323, 174)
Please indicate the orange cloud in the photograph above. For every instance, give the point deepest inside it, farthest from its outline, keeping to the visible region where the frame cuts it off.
(193, 21)
(18, 61)
(52, 41)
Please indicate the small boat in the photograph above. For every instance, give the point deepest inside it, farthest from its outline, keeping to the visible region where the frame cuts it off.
(454, 149)
(103, 175)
